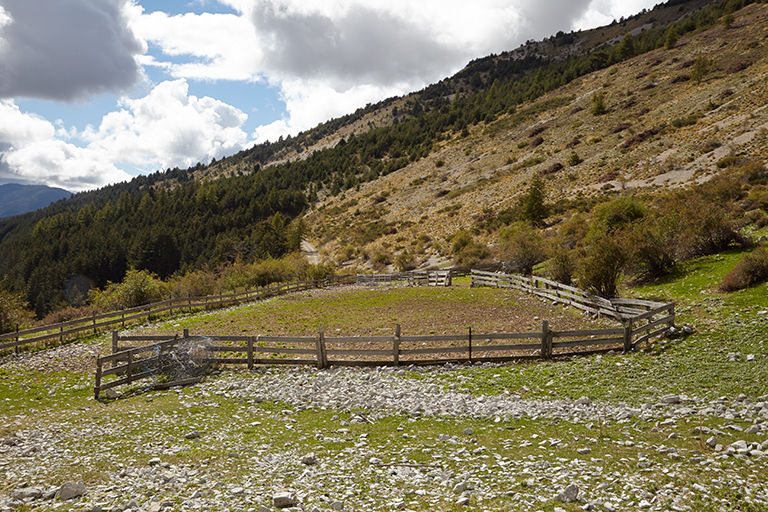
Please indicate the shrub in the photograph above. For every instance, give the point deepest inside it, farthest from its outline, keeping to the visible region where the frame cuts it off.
(751, 269)
(617, 214)
(619, 127)
(460, 240)
(552, 169)
(12, 311)
(194, 284)
(537, 141)
(137, 288)
(521, 248)
(601, 264)
(471, 255)
(574, 159)
(561, 265)
(598, 104)
(404, 262)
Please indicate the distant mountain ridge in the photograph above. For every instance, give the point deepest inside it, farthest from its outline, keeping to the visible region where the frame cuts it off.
(16, 199)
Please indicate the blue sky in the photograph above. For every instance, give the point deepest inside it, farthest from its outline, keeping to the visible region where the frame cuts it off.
(93, 92)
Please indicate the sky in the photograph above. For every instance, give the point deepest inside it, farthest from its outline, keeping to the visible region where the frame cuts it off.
(95, 92)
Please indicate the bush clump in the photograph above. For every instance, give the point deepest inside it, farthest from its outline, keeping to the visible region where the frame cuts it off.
(752, 269)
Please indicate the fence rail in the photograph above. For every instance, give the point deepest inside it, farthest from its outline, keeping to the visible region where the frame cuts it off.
(411, 278)
(14, 340)
(639, 315)
(132, 364)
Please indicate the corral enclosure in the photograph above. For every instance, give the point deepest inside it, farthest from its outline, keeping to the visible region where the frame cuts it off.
(640, 320)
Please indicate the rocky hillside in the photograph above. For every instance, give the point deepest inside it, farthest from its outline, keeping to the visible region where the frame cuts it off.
(667, 118)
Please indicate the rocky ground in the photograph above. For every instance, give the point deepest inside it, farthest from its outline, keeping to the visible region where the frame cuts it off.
(381, 439)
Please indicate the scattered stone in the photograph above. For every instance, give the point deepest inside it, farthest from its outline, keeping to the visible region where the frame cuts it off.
(463, 501)
(192, 435)
(337, 505)
(468, 431)
(309, 459)
(570, 494)
(71, 490)
(284, 500)
(733, 357)
(670, 399)
(584, 400)
(28, 493)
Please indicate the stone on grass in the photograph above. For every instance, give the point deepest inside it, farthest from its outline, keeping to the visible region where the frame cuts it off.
(71, 490)
(570, 494)
(309, 459)
(27, 493)
(284, 500)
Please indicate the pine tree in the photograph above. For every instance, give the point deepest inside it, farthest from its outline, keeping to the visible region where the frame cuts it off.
(672, 37)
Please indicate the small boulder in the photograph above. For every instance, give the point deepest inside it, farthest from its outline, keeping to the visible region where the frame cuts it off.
(570, 494)
(284, 500)
(71, 490)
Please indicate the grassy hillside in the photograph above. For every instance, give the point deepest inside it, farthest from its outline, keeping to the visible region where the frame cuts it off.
(664, 126)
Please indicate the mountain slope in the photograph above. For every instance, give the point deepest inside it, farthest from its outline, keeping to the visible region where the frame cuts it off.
(672, 116)
(16, 199)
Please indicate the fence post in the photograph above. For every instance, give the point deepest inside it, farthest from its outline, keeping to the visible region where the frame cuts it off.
(94, 322)
(114, 342)
(97, 386)
(396, 346)
(470, 345)
(545, 339)
(250, 352)
(122, 314)
(170, 298)
(129, 370)
(186, 333)
(628, 337)
(16, 347)
(322, 358)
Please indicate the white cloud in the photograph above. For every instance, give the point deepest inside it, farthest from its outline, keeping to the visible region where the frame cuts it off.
(223, 46)
(170, 128)
(167, 128)
(51, 49)
(31, 153)
(309, 103)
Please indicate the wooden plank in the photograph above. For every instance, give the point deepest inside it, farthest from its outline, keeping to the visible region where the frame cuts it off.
(280, 339)
(182, 382)
(655, 312)
(433, 350)
(651, 325)
(504, 348)
(596, 332)
(589, 342)
(360, 339)
(648, 336)
(507, 336)
(361, 352)
(638, 302)
(153, 339)
(284, 350)
(414, 339)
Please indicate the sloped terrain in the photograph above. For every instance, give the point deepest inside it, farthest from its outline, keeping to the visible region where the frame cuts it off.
(671, 117)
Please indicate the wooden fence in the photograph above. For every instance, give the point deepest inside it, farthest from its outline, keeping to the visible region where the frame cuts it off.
(145, 362)
(412, 278)
(642, 320)
(646, 319)
(60, 331)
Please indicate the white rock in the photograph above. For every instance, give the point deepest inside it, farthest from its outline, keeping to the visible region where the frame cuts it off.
(284, 500)
(570, 494)
(71, 490)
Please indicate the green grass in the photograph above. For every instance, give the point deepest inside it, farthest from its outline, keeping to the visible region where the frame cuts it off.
(238, 435)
